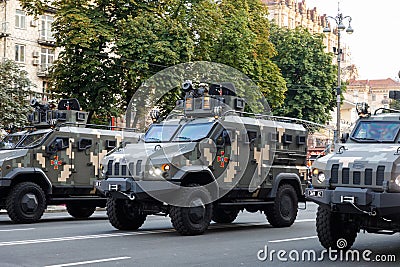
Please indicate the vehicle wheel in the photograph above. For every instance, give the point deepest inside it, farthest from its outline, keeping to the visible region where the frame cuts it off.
(333, 232)
(196, 217)
(123, 214)
(284, 210)
(80, 212)
(26, 203)
(221, 215)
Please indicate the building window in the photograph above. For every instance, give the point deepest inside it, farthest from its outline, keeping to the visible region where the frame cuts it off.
(46, 58)
(20, 19)
(373, 97)
(19, 53)
(46, 31)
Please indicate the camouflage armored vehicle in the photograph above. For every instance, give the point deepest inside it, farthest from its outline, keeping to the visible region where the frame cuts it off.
(208, 164)
(55, 161)
(358, 186)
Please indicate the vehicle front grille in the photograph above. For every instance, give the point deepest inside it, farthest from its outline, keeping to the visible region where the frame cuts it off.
(110, 167)
(116, 168)
(121, 169)
(356, 177)
(368, 176)
(138, 167)
(335, 173)
(349, 176)
(345, 175)
(380, 175)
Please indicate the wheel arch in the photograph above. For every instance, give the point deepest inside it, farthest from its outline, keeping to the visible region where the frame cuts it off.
(31, 175)
(287, 178)
(201, 177)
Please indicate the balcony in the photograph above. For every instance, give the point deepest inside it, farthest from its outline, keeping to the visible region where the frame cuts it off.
(47, 41)
(43, 70)
(4, 31)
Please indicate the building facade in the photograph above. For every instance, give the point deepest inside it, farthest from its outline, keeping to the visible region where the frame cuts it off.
(29, 41)
(295, 13)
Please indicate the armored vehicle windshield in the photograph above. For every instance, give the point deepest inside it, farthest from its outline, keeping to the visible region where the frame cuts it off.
(160, 133)
(24, 139)
(376, 131)
(11, 141)
(194, 131)
(34, 139)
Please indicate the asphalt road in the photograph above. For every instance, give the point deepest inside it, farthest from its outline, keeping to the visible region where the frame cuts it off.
(59, 240)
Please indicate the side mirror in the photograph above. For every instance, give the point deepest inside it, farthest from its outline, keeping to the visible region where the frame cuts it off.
(220, 141)
(344, 137)
(55, 146)
(394, 94)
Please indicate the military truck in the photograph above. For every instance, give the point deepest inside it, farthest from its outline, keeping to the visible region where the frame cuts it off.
(208, 163)
(358, 186)
(55, 161)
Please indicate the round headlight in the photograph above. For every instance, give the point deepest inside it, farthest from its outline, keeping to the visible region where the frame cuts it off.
(157, 171)
(321, 177)
(315, 172)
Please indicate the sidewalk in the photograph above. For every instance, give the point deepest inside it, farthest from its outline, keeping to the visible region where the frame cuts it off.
(50, 209)
(53, 208)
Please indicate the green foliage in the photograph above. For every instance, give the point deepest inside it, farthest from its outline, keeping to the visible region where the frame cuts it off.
(110, 47)
(243, 43)
(309, 73)
(394, 104)
(14, 90)
(85, 69)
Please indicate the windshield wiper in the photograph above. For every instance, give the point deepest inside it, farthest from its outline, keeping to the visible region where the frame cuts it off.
(366, 139)
(184, 138)
(152, 138)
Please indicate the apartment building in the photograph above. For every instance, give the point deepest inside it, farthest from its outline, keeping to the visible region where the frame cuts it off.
(29, 41)
(295, 13)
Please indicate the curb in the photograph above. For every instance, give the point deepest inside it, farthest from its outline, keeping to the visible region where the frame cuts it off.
(53, 209)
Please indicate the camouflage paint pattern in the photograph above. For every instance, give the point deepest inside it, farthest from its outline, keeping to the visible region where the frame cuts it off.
(373, 164)
(69, 165)
(271, 154)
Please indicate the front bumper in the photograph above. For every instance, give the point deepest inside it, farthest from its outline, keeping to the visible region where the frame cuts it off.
(131, 189)
(356, 200)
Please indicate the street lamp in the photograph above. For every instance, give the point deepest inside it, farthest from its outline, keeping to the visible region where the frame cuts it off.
(339, 19)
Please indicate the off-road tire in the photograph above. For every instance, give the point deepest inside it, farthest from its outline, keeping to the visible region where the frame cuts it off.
(80, 212)
(123, 217)
(283, 212)
(20, 212)
(331, 228)
(184, 218)
(221, 215)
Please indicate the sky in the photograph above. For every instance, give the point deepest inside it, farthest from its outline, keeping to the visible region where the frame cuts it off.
(375, 43)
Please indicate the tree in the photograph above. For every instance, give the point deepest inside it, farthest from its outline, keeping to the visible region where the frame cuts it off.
(110, 47)
(244, 44)
(86, 68)
(14, 90)
(309, 73)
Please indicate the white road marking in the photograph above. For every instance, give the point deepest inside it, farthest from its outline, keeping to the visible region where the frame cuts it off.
(80, 237)
(88, 262)
(293, 239)
(305, 220)
(12, 230)
(144, 232)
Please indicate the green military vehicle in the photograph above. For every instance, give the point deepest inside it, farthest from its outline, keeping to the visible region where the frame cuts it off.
(56, 161)
(206, 163)
(358, 186)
